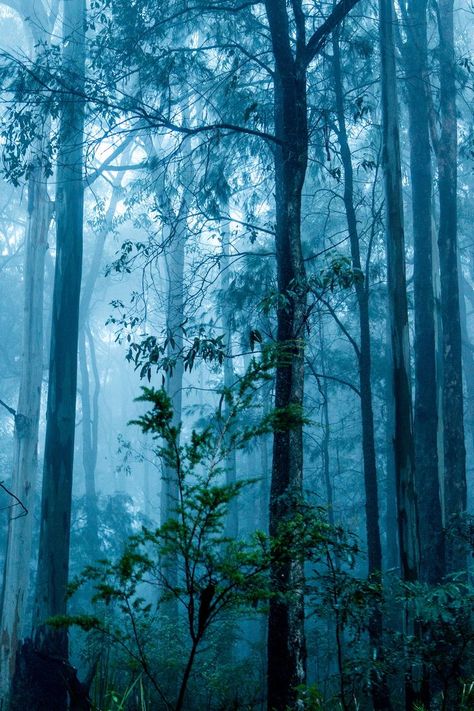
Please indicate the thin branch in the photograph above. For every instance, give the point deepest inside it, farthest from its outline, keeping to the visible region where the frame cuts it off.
(351, 340)
(321, 36)
(18, 502)
(7, 407)
(332, 377)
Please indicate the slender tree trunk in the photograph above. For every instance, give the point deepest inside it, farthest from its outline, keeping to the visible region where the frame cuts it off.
(379, 688)
(392, 555)
(232, 520)
(432, 561)
(174, 378)
(398, 308)
(453, 420)
(326, 460)
(16, 577)
(88, 366)
(90, 423)
(468, 364)
(48, 683)
(286, 639)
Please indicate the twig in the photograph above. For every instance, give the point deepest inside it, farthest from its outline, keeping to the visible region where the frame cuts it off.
(7, 407)
(18, 502)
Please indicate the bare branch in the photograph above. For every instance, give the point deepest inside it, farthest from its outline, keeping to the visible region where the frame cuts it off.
(18, 502)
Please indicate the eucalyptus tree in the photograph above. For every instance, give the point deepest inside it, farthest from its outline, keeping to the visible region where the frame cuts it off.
(286, 662)
(89, 368)
(397, 298)
(364, 358)
(41, 680)
(415, 55)
(16, 575)
(452, 385)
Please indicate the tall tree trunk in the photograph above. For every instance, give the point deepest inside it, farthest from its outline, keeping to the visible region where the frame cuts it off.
(453, 420)
(432, 560)
(404, 453)
(232, 520)
(90, 423)
(16, 575)
(398, 308)
(379, 688)
(48, 683)
(468, 362)
(286, 639)
(392, 555)
(88, 365)
(174, 378)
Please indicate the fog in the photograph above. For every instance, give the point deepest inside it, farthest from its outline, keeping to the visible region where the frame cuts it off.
(237, 360)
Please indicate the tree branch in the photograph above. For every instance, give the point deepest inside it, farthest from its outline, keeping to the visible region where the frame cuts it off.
(18, 502)
(7, 407)
(321, 36)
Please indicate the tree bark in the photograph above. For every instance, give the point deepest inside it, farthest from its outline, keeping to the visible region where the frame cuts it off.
(16, 575)
(380, 694)
(452, 394)
(90, 405)
(232, 519)
(286, 640)
(90, 425)
(174, 378)
(48, 688)
(432, 560)
(398, 308)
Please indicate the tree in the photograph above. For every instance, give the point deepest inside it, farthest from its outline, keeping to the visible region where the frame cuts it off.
(16, 576)
(48, 689)
(286, 644)
(20, 530)
(415, 54)
(452, 389)
(364, 357)
(398, 309)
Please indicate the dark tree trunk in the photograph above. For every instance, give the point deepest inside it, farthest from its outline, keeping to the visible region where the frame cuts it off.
(286, 640)
(452, 394)
(425, 410)
(364, 351)
(398, 307)
(379, 688)
(232, 519)
(169, 499)
(468, 362)
(392, 555)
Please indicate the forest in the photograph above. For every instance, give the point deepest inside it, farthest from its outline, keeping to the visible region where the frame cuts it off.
(236, 355)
